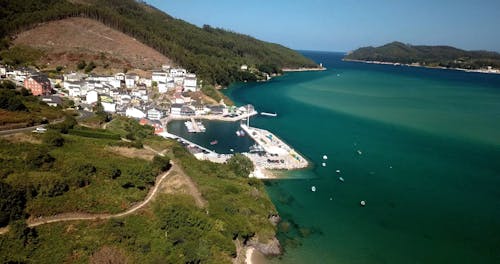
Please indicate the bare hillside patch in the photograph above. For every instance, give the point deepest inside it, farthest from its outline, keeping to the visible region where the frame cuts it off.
(70, 40)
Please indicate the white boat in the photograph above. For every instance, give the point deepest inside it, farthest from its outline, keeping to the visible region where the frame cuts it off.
(313, 188)
(359, 152)
(341, 179)
(268, 114)
(337, 171)
(323, 164)
(325, 157)
(363, 203)
(240, 133)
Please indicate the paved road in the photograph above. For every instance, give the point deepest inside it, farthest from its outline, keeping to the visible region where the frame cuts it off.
(19, 130)
(83, 114)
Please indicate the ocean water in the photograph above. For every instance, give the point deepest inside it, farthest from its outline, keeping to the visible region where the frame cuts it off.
(420, 146)
(429, 168)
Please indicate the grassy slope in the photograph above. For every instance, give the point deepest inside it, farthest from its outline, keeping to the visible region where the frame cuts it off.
(172, 230)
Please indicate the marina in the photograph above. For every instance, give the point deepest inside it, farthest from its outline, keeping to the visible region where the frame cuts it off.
(268, 151)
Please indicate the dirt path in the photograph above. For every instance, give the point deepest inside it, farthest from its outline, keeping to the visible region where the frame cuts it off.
(180, 182)
(79, 216)
(4, 230)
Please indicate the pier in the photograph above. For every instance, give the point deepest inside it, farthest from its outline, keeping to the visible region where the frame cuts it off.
(278, 155)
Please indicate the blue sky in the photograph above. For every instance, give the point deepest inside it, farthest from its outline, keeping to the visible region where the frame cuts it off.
(343, 25)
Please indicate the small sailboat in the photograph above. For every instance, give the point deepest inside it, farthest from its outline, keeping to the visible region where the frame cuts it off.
(313, 188)
(341, 179)
(214, 142)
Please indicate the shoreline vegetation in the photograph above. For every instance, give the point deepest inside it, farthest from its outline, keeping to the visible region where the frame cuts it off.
(491, 71)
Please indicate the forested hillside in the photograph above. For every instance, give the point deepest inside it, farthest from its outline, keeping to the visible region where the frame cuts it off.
(214, 54)
(443, 56)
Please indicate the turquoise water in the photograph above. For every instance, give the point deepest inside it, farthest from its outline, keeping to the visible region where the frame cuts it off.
(429, 169)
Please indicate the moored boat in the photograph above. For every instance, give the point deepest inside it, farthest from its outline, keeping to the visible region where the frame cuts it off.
(268, 114)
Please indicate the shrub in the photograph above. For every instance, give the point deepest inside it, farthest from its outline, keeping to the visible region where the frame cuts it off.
(53, 138)
(240, 165)
(39, 158)
(12, 203)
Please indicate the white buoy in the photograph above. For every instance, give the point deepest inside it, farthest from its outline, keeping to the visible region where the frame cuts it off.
(323, 164)
(313, 188)
(363, 203)
(337, 171)
(325, 157)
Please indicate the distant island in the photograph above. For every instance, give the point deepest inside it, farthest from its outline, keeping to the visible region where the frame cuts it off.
(428, 56)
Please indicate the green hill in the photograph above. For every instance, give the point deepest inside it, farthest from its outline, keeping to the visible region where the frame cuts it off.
(214, 54)
(443, 56)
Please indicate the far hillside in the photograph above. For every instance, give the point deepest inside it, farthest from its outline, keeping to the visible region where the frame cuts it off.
(434, 56)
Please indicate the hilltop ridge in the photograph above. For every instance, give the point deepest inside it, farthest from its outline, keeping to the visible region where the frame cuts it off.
(214, 54)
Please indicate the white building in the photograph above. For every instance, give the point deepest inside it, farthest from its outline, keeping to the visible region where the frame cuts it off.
(74, 88)
(92, 97)
(165, 67)
(3, 70)
(134, 113)
(109, 107)
(146, 82)
(120, 76)
(175, 109)
(177, 72)
(162, 87)
(190, 83)
(115, 83)
(74, 77)
(130, 81)
(244, 67)
(159, 77)
(154, 114)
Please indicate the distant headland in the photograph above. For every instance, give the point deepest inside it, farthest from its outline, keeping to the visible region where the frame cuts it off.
(445, 57)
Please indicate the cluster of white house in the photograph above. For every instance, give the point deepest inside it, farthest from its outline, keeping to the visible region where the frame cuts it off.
(134, 100)
(130, 95)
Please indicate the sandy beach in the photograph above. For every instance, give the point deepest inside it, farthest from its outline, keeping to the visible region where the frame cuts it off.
(253, 256)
